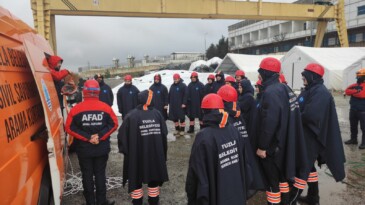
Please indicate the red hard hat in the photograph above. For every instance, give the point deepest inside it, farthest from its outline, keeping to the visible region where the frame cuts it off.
(211, 76)
(240, 73)
(259, 82)
(91, 89)
(230, 79)
(228, 93)
(271, 64)
(315, 68)
(212, 101)
(194, 74)
(282, 78)
(128, 77)
(176, 76)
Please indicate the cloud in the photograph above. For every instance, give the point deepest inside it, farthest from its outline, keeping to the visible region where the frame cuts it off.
(99, 39)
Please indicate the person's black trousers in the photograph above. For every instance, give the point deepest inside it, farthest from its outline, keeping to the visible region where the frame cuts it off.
(355, 118)
(90, 167)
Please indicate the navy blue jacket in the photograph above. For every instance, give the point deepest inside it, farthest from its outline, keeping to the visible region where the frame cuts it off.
(127, 99)
(160, 98)
(248, 107)
(281, 132)
(87, 118)
(106, 93)
(195, 96)
(216, 167)
(220, 83)
(321, 128)
(208, 88)
(177, 97)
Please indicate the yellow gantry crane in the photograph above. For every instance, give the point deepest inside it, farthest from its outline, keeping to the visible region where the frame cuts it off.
(44, 12)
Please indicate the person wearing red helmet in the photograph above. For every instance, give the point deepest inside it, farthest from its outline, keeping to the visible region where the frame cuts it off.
(91, 123)
(58, 75)
(230, 81)
(280, 140)
(208, 87)
(216, 166)
(195, 94)
(241, 76)
(232, 107)
(357, 108)
(177, 104)
(161, 95)
(142, 139)
(127, 96)
(259, 90)
(282, 78)
(321, 129)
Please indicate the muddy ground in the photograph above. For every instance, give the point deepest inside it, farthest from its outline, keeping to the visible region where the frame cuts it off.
(350, 191)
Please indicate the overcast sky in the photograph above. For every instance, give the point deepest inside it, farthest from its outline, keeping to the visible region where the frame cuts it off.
(99, 39)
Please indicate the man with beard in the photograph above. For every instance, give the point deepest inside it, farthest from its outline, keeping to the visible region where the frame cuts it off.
(142, 139)
(280, 139)
(195, 95)
(321, 130)
(177, 104)
(254, 178)
(247, 105)
(106, 93)
(220, 81)
(127, 96)
(209, 86)
(160, 98)
(216, 166)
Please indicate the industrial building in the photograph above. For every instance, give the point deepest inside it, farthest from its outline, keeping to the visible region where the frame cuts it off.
(268, 36)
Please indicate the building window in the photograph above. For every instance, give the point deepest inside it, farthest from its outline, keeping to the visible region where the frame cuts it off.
(305, 26)
(257, 52)
(276, 49)
(331, 41)
(360, 10)
(359, 37)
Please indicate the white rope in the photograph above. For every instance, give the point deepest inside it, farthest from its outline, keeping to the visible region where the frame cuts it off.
(73, 183)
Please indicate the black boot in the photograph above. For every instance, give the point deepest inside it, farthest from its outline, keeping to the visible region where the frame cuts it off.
(362, 146)
(137, 201)
(351, 141)
(153, 200)
(182, 131)
(191, 129)
(108, 202)
(312, 197)
(177, 130)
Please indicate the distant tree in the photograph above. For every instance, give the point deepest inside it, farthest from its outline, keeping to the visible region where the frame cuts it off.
(107, 74)
(222, 47)
(211, 51)
(279, 37)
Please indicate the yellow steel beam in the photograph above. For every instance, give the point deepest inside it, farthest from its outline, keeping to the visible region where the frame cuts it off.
(44, 11)
(341, 24)
(321, 30)
(202, 9)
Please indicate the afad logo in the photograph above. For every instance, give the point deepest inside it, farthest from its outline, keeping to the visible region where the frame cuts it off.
(46, 95)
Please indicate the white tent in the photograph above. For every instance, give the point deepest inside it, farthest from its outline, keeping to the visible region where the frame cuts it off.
(340, 65)
(248, 63)
(144, 82)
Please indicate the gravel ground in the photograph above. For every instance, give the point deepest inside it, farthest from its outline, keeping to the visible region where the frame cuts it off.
(349, 192)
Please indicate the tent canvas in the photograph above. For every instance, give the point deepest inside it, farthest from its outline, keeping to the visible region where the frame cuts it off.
(340, 65)
(248, 63)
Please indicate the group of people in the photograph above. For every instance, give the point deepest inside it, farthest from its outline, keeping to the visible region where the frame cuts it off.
(245, 144)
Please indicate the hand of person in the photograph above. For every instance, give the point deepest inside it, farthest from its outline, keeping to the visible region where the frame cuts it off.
(165, 107)
(94, 139)
(183, 106)
(261, 153)
(358, 88)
